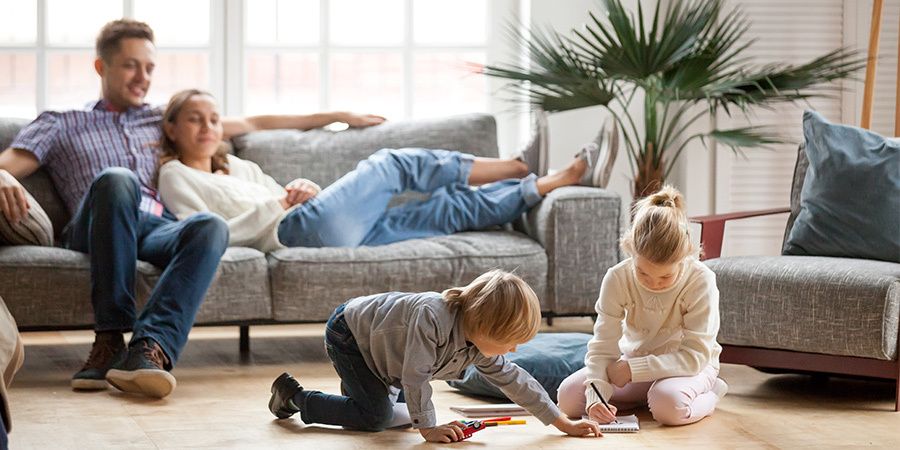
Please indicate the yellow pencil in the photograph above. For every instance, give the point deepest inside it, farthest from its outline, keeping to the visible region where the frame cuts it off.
(511, 422)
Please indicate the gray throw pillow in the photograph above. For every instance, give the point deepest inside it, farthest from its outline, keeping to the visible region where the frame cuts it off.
(34, 229)
(850, 202)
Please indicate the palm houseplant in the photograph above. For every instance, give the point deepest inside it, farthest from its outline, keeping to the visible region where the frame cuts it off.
(688, 53)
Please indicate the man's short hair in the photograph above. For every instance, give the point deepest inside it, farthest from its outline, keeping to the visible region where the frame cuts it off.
(112, 33)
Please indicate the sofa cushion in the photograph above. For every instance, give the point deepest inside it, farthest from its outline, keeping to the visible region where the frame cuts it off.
(324, 156)
(848, 205)
(33, 229)
(37, 184)
(239, 291)
(834, 306)
(46, 286)
(308, 283)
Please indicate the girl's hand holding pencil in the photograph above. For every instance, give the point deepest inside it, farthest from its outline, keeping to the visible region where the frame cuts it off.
(601, 414)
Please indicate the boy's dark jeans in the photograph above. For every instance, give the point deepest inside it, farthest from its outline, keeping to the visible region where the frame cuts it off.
(366, 403)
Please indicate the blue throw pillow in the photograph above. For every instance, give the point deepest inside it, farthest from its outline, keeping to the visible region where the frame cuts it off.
(850, 202)
(549, 358)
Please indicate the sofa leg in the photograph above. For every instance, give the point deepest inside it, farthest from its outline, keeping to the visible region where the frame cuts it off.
(549, 320)
(897, 394)
(244, 342)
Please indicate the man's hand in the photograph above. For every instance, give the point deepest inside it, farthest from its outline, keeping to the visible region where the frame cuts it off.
(619, 373)
(361, 120)
(13, 202)
(578, 428)
(451, 432)
(300, 190)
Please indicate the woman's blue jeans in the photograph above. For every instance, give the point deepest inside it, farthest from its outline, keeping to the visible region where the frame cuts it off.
(354, 210)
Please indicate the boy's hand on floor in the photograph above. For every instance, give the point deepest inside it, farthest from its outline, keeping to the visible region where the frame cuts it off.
(451, 432)
(578, 428)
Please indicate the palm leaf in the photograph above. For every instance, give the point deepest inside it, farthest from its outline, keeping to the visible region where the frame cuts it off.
(559, 81)
(691, 53)
(746, 137)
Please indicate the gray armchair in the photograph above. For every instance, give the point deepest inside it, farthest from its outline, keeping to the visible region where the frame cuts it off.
(806, 313)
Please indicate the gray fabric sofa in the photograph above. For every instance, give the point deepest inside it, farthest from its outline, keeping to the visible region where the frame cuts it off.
(562, 247)
(807, 313)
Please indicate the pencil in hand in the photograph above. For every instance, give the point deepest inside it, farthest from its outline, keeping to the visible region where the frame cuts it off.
(597, 391)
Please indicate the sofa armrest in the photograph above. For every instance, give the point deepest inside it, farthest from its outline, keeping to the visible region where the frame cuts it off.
(712, 228)
(579, 228)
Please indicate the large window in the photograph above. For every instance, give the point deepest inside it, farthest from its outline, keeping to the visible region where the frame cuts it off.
(47, 49)
(399, 58)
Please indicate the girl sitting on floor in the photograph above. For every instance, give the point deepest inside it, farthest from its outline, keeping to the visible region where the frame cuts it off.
(669, 304)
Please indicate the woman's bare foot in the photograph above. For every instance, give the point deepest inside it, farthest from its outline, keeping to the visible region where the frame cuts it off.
(489, 170)
(569, 176)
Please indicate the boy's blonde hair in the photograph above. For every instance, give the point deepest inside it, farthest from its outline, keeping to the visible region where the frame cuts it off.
(659, 231)
(498, 306)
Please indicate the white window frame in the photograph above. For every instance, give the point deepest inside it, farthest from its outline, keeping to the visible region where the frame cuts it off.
(42, 50)
(227, 50)
(236, 49)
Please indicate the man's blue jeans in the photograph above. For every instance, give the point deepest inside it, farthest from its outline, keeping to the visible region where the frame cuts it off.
(367, 403)
(110, 227)
(354, 210)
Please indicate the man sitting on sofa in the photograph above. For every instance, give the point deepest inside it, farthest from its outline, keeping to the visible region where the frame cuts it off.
(103, 160)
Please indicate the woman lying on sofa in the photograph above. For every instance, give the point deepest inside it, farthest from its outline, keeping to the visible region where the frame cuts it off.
(197, 174)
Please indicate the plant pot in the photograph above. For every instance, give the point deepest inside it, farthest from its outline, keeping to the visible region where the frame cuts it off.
(648, 179)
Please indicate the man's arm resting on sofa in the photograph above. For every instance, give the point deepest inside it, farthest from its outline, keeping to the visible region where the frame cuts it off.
(236, 126)
(712, 228)
(15, 164)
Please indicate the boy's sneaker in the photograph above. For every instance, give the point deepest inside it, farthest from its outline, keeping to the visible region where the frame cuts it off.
(720, 388)
(108, 349)
(536, 152)
(282, 401)
(143, 371)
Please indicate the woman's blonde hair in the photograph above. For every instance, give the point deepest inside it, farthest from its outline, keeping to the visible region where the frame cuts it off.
(659, 231)
(168, 151)
(498, 306)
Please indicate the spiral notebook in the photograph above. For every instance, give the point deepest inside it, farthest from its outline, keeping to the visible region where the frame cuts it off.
(627, 424)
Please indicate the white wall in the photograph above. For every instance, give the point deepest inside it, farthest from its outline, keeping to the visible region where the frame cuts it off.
(570, 130)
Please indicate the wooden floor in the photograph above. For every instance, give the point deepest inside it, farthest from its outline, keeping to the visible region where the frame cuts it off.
(220, 402)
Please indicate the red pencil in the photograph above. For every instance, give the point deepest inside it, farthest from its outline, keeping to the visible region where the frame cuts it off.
(498, 419)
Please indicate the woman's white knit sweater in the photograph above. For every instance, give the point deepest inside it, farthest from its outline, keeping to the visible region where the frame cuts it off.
(247, 198)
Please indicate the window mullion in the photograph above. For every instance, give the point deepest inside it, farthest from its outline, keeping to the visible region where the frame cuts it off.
(218, 49)
(324, 56)
(408, 60)
(41, 57)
